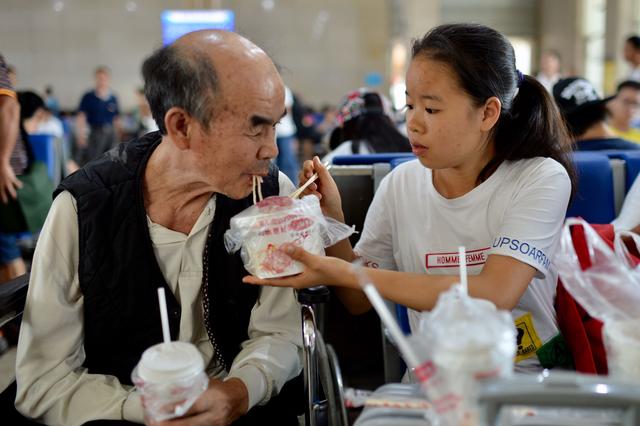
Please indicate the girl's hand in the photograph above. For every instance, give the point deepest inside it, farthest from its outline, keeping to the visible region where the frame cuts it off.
(324, 188)
(318, 270)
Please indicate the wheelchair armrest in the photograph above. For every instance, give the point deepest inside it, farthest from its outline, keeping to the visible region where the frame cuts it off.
(313, 295)
(13, 295)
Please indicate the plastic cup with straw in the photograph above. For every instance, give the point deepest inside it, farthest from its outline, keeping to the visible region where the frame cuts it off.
(170, 375)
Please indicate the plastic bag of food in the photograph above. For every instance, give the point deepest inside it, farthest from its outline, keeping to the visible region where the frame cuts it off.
(260, 231)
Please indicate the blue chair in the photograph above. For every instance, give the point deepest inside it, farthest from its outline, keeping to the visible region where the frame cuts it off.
(632, 163)
(367, 159)
(594, 200)
(44, 149)
(401, 311)
(397, 161)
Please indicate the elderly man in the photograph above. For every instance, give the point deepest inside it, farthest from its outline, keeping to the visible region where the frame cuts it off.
(151, 213)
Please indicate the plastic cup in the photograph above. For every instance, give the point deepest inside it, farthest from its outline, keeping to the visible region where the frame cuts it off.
(469, 341)
(622, 343)
(170, 377)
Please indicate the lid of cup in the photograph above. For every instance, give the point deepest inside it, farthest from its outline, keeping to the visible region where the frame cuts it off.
(167, 362)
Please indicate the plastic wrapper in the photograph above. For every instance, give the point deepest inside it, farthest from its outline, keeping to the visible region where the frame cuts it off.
(260, 231)
(465, 340)
(609, 290)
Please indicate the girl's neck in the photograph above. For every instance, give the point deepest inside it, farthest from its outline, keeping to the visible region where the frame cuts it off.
(456, 181)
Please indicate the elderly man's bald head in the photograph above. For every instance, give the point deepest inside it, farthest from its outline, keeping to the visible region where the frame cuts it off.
(197, 70)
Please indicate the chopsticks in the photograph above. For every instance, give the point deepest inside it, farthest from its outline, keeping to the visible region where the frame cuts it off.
(295, 194)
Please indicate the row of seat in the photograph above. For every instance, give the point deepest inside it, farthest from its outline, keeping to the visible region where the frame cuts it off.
(604, 177)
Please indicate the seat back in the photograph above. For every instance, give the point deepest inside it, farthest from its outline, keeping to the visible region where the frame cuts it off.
(368, 159)
(356, 186)
(594, 200)
(632, 164)
(559, 398)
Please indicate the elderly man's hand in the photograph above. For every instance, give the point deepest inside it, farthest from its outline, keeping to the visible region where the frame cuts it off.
(9, 183)
(221, 404)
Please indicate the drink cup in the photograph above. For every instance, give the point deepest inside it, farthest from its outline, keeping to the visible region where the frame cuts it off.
(170, 377)
(469, 341)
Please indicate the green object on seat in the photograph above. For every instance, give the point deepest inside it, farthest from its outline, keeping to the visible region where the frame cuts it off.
(29, 211)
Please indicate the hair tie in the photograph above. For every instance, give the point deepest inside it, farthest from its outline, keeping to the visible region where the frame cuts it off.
(520, 77)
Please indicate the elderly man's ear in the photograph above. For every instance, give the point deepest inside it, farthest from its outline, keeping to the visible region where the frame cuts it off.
(180, 127)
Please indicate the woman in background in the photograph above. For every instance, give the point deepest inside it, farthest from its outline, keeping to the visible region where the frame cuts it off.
(365, 126)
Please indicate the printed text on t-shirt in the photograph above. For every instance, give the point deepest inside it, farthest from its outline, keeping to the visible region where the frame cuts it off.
(524, 248)
(452, 259)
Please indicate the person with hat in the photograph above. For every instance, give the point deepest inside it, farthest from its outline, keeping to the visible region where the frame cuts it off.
(585, 113)
(364, 125)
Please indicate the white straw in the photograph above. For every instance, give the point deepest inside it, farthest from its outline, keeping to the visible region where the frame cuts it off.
(409, 355)
(260, 187)
(163, 315)
(462, 254)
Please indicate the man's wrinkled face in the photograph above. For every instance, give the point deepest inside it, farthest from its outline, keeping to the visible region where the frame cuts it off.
(241, 139)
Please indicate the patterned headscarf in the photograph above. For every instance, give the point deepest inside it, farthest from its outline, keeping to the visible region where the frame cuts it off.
(353, 105)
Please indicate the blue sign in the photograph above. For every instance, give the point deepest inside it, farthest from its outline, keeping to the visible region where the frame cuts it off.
(176, 23)
(373, 79)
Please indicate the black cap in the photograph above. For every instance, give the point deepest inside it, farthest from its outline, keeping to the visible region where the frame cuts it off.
(576, 94)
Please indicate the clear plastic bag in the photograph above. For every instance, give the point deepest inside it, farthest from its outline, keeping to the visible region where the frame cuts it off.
(467, 340)
(622, 251)
(260, 230)
(609, 290)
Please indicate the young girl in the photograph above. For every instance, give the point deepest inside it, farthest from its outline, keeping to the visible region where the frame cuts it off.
(492, 175)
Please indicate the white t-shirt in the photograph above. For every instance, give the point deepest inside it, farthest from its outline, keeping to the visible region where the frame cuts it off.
(517, 212)
(345, 149)
(629, 216)
(286, 128)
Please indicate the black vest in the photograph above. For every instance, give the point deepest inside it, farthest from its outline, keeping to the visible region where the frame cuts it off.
(119, 274)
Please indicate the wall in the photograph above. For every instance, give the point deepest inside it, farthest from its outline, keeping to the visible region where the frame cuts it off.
(325, 47)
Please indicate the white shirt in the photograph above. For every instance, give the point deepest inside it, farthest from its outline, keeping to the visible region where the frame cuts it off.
(517, 212)
(629, 216)
(54, 388)
(287, 128)
(345, 149)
